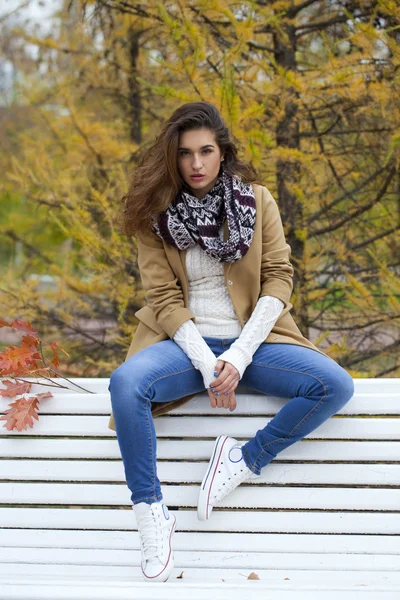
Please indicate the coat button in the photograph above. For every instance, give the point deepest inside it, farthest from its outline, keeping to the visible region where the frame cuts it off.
(230, 282)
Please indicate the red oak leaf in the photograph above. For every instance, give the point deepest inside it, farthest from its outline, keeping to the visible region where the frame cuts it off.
(22, 326)
(23, 411)
(15, 389)
(15, 359)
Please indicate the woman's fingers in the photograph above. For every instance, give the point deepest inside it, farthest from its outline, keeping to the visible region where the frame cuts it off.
(221, 391)
(232, 401)
(224, 400)
(226, 381)
(213, 400)
(229, 384)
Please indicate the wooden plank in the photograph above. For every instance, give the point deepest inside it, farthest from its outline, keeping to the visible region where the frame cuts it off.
(71, 582)
(193, 472)
(46, 591)
(257, 404)
(260, 521)
(207, 541)
(50, 590)
(386, 403)
(303, 450)
(311, 578)
(245, 427)
(369, 385)
(206, 560)
(252, 495)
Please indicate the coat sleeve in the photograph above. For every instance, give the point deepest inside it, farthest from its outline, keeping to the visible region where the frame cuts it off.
(163, 291)
(276, 268)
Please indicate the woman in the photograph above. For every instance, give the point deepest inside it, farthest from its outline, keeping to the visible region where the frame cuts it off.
(215, 265)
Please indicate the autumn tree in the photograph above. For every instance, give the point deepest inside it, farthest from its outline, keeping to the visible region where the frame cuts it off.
(310, 92)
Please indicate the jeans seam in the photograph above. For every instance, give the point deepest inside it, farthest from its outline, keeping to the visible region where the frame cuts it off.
(163, 376)
(304, 418)
(149, 427)
(292, 371)
(151, 449)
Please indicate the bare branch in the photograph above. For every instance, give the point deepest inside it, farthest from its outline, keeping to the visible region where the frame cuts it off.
(304, 29)
(347, 194)
(386, 371)
(357, 212)
(353, 327)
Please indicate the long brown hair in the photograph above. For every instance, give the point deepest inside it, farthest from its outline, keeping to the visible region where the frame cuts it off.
(156, 178)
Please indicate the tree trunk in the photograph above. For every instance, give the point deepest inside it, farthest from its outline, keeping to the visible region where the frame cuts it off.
(288, 175)
(134, 89)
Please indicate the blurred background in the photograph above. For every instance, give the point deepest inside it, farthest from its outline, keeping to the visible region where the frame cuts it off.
(310, 90)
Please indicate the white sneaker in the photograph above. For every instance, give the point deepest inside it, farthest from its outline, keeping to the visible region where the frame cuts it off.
(225, 472)
(155, 526)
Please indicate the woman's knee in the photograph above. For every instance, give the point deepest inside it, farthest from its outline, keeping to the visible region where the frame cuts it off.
(123, 378)
(340, 387)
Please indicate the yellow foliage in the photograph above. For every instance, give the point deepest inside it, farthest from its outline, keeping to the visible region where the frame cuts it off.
(328, 117)
(360, 287)
(322, 337)
(301, 234)
(316, 295)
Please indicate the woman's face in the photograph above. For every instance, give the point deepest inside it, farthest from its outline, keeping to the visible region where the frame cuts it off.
(198, 153)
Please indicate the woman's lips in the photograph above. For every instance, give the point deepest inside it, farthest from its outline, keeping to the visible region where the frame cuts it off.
(196, 177)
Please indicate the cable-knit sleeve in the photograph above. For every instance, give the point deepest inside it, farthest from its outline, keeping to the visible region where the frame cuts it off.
(193, 344)
(256, 330)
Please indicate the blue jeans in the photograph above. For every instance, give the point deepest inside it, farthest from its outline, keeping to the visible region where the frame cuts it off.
(316, 386)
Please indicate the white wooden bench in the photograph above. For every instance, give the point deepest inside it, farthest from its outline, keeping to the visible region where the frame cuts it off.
(324, 519)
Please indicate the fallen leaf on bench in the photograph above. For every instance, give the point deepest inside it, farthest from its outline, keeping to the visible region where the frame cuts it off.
(253, 576)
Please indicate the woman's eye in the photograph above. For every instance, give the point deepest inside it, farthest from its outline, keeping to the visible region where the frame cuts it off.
(183, 152)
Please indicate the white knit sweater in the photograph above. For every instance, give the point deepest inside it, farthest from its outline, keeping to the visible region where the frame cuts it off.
(210, 302)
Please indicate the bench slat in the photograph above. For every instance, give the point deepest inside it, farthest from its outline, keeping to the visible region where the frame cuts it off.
(193, 472)
(207, 541)
(244, 496)
(260, 521)
(309, 450)
(101, 583)
(217, 560)
(247, 404)
(167, 426)
(368, 385)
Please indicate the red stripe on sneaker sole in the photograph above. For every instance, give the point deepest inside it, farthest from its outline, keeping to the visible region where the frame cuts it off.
(209, 490)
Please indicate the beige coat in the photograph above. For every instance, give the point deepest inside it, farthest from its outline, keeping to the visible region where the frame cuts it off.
(265, 270)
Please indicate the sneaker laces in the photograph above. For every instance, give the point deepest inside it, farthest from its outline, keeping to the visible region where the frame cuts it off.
(150, 534)
(231, 484)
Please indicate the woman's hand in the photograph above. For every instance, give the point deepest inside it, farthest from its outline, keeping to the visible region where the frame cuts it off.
(227, 381)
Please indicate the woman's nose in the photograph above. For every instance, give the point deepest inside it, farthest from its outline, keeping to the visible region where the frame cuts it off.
(196, 162)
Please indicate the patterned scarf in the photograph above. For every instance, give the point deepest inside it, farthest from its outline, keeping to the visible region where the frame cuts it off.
(189, 220)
